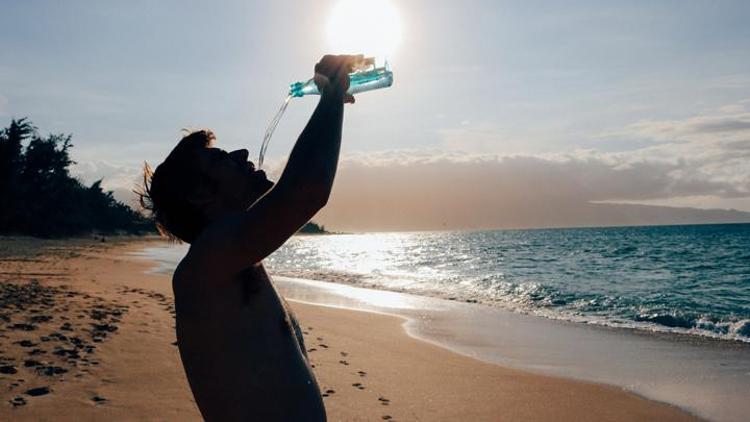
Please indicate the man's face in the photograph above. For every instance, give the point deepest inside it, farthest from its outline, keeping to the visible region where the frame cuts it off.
(238, 183)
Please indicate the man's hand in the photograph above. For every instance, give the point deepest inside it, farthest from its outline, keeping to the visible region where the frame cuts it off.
(332, 75)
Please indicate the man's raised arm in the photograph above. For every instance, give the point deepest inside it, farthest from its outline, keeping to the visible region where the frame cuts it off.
(304, 186)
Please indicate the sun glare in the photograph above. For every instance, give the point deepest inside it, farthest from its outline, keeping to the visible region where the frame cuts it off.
(372, 28)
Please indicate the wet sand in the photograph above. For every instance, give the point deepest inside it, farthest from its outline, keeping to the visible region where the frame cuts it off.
(86, 333)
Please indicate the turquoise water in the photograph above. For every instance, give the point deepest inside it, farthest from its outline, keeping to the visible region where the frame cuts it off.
(359, 81)
(688, 279)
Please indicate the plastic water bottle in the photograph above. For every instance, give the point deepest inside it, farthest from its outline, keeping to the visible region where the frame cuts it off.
(365, 77)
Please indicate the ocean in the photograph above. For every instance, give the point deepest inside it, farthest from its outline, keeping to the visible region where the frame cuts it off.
(691, 279)
(687, 279)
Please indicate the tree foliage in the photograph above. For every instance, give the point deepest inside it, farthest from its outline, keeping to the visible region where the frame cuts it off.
(38, 196)
(313, 228)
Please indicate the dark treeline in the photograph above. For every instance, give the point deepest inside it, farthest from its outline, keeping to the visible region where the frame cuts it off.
(313, 228)
(38, 196)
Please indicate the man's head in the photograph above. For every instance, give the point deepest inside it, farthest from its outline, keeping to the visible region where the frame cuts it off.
(198, 183)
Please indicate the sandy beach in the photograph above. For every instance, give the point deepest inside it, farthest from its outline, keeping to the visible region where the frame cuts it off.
(87, 333)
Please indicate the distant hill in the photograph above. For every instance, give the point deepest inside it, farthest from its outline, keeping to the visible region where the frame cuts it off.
(639, 215)
(313, 228)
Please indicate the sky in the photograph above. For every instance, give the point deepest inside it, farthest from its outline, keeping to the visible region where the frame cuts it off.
(500, 110)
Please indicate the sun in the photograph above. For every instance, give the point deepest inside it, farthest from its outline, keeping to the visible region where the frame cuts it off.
(372, 28)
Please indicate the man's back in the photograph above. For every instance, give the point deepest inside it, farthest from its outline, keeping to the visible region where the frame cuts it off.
(239, 348)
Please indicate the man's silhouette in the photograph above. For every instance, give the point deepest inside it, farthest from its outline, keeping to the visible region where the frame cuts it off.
(241, 346)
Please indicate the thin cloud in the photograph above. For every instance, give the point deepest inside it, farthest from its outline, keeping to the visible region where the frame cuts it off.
(121, 179)
(697, 157)
(728, 121)
(726, 125)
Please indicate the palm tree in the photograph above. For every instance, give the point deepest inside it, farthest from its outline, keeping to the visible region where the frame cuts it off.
(11, 165)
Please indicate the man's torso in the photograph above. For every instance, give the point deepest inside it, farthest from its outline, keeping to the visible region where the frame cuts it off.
(242, 349)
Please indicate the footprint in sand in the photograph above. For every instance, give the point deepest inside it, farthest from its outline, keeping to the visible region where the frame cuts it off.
(26, 343)
(8, 369)
(358, 385)
(325, 346)
(362, 373)
(41, 318)
(384, 401)
(38, 391)
(17, 401)
(98, 399)
(22, 327)
(343, 362)
(50, 370)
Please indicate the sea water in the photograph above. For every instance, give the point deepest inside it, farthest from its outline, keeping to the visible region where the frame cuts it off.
(693, 280)
(687, 279)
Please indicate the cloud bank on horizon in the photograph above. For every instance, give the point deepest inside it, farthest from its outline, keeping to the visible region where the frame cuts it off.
(701, 162)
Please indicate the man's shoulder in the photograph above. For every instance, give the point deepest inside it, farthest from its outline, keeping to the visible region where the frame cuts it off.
(195, 265)
(182, 274)
(222, 247)
(214, 240)
(202, 264)
(191, 279)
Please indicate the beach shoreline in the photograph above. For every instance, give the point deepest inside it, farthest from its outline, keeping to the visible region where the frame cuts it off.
(704, 376)
(367, 365)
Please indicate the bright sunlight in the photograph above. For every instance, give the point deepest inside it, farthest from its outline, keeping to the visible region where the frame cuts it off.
(360, 26)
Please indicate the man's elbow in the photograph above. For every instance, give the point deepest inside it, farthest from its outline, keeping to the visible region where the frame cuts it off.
(315, 198)
(320, 200)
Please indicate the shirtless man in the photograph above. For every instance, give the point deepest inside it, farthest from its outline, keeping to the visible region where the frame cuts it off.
(241, 347)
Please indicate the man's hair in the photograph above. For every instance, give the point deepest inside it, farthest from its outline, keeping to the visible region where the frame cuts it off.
(165, 191)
